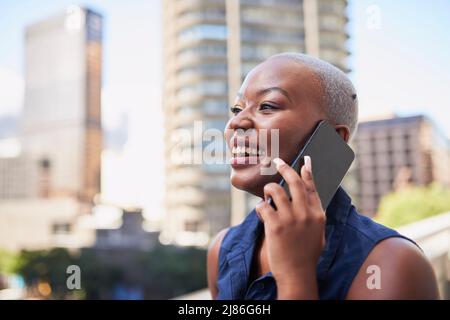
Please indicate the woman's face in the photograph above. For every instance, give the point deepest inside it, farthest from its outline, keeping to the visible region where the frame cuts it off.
(278, 94)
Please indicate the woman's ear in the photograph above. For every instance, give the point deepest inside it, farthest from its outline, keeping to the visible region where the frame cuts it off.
(343, 131)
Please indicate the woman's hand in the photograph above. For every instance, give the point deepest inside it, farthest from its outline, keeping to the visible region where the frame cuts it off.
(295, 232)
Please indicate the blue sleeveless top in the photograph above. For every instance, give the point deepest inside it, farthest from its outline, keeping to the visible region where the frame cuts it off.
(349, 239)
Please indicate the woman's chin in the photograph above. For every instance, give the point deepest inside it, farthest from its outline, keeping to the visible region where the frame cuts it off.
(243, 181)
(250, 181)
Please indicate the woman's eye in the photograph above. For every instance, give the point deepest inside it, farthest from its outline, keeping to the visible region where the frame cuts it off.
(235, 110)
(266, 106)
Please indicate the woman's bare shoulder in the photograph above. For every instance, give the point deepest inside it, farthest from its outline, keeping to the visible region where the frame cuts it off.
(395, 269)
(213, 261)
(214, 246)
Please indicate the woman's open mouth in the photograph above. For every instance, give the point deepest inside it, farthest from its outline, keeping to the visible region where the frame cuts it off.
(242, 155)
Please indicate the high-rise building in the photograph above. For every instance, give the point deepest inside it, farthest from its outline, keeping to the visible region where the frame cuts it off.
(261, 28)
(394, 152)
(52, 181)
(61, 124)
(209, 47)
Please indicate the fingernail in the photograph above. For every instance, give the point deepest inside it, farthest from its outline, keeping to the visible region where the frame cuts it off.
(278, 161)
(308, 164)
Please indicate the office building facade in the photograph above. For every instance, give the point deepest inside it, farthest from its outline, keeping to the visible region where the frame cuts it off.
(396, 152)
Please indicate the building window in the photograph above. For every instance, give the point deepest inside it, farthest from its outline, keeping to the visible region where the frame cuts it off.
(272, 2)
(251, 34)
(260, 52)
(61, 228)
(207, 13)
(207, 107)
(212, 50)
(217, 183)
(212, 87)
(331, 22)
(269, 15)
(192, 225)
(211, 107)
(209, 69)
(216, 168)
(204, 31)
(186, 110)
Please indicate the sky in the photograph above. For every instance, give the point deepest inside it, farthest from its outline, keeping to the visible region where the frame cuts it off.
(402, 66)
(399, 59)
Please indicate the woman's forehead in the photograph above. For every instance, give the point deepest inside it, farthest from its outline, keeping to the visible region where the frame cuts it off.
(282, 73)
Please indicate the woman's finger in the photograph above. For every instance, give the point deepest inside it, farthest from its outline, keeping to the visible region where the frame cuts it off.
(279, 196)
(306, 175)
(265, 211)
(295, 184)
(308, 180)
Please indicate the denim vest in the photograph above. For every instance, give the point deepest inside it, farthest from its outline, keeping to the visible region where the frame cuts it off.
(349, 239)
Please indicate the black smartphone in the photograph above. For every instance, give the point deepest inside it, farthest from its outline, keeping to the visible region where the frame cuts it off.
(331, 158)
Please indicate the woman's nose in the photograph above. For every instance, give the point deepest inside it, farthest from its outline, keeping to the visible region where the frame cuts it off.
(241, 121)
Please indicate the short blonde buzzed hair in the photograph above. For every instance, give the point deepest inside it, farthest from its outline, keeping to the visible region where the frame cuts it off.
(340, 99)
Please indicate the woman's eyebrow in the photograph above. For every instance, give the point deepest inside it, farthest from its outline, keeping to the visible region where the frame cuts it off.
(267, 90)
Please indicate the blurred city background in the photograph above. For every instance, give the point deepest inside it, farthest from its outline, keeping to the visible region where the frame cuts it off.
(92, 91)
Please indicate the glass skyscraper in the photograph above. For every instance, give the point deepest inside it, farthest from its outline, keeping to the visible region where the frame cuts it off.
(61, 123)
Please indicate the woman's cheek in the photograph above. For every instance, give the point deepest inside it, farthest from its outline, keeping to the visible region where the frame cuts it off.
(290, 144)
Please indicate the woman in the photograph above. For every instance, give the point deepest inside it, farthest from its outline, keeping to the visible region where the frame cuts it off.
(299, 251)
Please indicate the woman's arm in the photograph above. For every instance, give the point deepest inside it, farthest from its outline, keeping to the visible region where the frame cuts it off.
(212, 263)
(403, 273)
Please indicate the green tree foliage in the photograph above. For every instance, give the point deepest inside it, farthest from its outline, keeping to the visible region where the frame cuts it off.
(173, 271)
(99, 275)
(45, 266)
(163, 273)
(413, 204)
(7, 261)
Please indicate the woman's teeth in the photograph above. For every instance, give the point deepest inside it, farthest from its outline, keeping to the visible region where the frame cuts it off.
(246, 151)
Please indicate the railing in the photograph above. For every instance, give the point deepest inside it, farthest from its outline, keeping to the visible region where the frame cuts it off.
(432, 235)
